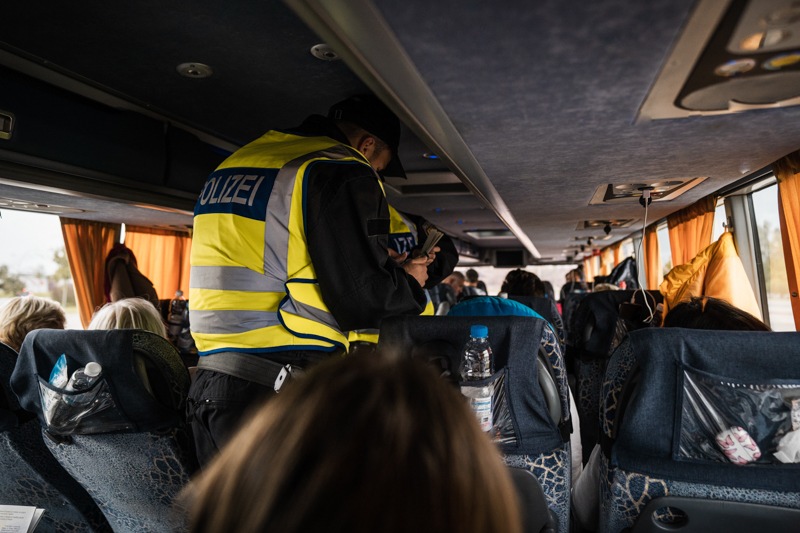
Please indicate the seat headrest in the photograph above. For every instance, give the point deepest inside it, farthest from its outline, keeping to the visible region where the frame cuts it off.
(142, 371)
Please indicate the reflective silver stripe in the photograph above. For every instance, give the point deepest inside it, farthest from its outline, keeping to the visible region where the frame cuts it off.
(279, 208)
(231, 321)
(276, 229)
(310, 312)
(232, 279)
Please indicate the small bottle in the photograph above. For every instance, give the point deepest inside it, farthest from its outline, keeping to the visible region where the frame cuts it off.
(177, 308)
(477, 364)
(83, 378)
(476, 359)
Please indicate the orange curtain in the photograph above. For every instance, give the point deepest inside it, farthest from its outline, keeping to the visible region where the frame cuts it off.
(588, 269)
(162, 256)
(654, 270)
(617, 248)
(87, 244)
(606, 261)
(690, 230)
(787, 171)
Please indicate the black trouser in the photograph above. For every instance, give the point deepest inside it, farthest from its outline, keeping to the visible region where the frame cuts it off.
(218, 403)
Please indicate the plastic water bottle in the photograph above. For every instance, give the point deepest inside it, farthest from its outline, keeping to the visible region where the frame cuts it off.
(477, 364)
(83, 378)
(476, 360)
(177, 308)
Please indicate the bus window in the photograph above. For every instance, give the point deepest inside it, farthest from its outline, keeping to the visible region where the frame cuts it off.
(35, 261)
(765, 210)
(626, 249)
(720, 220)
(664, 250)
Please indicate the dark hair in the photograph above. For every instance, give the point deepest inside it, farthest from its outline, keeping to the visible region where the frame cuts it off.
(359, 444)
(520, 282)
(472, 275)
(705, 312)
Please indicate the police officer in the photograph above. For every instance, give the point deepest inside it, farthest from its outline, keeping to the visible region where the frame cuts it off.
(289, 252)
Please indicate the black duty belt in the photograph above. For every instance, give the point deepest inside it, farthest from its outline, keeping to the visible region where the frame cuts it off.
(249, 367)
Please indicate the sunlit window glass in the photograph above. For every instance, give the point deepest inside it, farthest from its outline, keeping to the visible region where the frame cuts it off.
(720, 219)
(664, 250)
(35, 262)
(765, 207)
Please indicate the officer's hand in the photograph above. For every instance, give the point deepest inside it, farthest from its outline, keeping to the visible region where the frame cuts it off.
(418, 269)
(432, 254)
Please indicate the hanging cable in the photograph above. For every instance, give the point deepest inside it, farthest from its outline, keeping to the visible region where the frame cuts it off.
(645, 200)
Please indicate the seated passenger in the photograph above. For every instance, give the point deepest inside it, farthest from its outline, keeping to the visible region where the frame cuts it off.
(27, 313)
(702, 312)
(574, 283)
(359, 444)
(600, 287)
(475, 282)
(454, 286)
(132, 313)
(129, 313)
(520, 282)
(123, 278)
(706, 312)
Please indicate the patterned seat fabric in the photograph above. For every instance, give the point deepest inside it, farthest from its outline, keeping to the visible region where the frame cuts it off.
(645, 416)
(31, 476)
(134, 456)
(538, 443)
(597, 331)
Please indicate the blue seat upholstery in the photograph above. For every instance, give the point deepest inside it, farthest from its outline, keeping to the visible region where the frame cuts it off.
(30, 474)
(655, 456)
(597, 332)
(537, 443)
(134, 454)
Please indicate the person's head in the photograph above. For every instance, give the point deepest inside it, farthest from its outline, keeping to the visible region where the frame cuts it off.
(472, 276)
(129, 313)
(600, 287)
(520, 282)
(574, 275)
(372, 129)
(359, 444)
(705, 312)
(456, 280)
(24, 314)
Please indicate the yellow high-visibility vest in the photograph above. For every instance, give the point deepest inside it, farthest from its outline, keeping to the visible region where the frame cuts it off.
(252, 286)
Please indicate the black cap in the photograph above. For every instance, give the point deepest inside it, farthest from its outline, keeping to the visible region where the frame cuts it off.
(367, 112)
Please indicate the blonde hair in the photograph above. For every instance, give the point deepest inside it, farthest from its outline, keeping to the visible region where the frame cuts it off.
(24, 314)
(129, 313)
(360, 444)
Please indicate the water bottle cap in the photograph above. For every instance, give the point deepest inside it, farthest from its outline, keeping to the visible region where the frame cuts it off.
(478, 331)
(92, 369)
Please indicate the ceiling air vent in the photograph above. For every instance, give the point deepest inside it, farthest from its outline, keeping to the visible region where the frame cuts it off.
(427, 184)
(631, 192)
(600, 224)
(38, 207)
(479, 234)
(732, 56)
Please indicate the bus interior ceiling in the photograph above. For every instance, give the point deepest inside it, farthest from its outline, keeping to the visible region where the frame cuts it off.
(526, 123)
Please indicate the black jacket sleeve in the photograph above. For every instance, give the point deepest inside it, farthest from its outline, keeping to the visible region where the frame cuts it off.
(347, 228)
